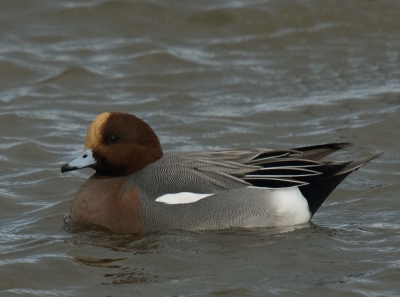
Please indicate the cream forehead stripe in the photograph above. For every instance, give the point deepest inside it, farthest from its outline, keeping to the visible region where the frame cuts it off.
(93, 134)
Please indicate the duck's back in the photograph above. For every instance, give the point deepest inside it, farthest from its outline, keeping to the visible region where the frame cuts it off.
(228, 200)
(237, 188)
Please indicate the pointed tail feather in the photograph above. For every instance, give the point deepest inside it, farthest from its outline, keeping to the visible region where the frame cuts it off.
(317, 152)
(320, 186)
(353, 166)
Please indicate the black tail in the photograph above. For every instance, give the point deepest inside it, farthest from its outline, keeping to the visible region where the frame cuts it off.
(319, 187)
(301, 167)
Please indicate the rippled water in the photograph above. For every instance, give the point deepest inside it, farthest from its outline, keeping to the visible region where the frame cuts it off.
(204, 74)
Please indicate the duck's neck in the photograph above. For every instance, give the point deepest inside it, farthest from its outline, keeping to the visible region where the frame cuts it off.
(100, 201)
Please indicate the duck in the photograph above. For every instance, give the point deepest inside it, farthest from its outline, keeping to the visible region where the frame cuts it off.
(138, 188)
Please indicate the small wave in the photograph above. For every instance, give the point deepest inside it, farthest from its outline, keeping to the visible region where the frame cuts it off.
(74, 75)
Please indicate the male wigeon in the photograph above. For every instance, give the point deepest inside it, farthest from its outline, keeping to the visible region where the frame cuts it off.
(137, 188)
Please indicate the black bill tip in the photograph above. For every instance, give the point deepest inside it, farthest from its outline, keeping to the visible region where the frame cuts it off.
(66, 168)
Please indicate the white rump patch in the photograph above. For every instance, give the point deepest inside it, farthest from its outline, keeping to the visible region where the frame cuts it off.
(291, 206)
(181, 198)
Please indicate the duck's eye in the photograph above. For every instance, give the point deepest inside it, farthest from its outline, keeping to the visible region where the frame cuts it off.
(112, 138)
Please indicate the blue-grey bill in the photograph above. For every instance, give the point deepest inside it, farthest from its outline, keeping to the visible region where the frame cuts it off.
(85, 159)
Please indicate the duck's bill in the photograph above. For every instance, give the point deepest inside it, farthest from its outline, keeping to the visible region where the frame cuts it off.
(84, 160)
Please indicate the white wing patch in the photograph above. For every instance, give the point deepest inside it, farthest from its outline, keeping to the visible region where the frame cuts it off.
(181, 198)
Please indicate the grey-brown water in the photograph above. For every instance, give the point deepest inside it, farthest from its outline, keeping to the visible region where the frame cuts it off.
(204, 74)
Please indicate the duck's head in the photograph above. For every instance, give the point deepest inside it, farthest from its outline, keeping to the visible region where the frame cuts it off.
(117, 144)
